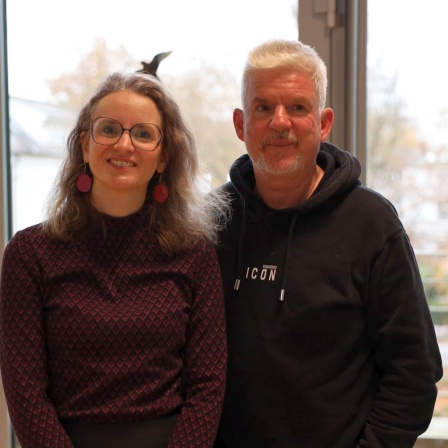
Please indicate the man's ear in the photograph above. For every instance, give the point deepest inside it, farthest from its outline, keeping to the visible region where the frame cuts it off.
(238, 123)
(326, 123)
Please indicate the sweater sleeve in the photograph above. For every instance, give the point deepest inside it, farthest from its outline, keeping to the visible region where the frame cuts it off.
(205, 359)
(22, 350)
(407, 356)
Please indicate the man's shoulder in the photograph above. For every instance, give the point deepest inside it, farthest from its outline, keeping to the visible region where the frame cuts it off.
(228, 187)
(372, 200)
(230, 192)
(369, 209)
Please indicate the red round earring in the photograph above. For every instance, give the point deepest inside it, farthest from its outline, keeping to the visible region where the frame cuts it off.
(160, 192)
(84, 181)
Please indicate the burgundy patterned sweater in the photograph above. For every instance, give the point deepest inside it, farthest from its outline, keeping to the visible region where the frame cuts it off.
(108, 329)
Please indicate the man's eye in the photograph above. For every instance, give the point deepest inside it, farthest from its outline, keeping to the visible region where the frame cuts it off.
(297, 109)
(262, 108)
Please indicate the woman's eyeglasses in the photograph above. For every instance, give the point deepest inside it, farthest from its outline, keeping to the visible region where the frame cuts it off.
(144, 136)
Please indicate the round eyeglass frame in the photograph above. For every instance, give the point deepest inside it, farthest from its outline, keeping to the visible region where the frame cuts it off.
(122, 132)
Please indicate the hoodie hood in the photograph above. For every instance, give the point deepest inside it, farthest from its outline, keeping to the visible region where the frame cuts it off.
(341, 174)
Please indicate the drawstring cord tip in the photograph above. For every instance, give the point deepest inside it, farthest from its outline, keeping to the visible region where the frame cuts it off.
(237, 284)
(282, 295)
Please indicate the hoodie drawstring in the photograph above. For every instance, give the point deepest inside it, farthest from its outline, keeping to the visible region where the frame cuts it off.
(286, 258)
(241, 249)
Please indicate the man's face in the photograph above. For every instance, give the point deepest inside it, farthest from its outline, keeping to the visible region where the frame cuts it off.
(281, 125)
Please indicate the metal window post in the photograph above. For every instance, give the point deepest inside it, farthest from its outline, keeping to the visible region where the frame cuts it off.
(337, 29)
(5, 195)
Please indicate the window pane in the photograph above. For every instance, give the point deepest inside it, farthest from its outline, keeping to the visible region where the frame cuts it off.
(59, 50)
(74, 44)
(408, 144)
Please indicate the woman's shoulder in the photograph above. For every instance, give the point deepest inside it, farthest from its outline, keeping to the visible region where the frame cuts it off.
(34, 231)
(202, 249)
(28, 237)
(203, 245)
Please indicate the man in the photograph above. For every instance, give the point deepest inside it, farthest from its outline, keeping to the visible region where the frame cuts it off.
(331, 343)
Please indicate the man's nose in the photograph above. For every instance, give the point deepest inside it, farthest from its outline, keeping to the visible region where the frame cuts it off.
(280, 118)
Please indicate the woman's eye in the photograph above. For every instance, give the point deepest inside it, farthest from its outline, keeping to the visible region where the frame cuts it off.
(109, 130)
(143, 134)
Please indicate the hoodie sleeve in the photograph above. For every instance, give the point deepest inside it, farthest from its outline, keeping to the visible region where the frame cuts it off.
(407, 356)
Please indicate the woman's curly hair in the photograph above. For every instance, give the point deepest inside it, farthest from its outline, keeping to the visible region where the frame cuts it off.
(189, 214)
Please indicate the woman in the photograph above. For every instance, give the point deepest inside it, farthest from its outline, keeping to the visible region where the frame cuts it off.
(111, 313)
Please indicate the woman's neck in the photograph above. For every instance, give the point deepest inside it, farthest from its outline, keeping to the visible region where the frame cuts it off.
(118, 205)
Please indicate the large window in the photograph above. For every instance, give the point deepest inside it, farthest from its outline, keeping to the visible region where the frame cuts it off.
(59, 50)
(407, 144)
(387, 88)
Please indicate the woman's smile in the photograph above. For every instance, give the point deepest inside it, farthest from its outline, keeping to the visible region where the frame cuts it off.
(122, 163)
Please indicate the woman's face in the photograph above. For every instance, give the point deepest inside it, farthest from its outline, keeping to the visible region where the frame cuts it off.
(121, 169)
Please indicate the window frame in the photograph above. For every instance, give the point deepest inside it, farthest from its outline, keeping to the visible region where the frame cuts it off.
(5, 198)
(337, 29)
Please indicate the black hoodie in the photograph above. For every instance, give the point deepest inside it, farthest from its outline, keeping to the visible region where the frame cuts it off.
(331, 343)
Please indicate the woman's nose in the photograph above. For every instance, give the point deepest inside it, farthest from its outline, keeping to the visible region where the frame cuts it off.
(125, 141)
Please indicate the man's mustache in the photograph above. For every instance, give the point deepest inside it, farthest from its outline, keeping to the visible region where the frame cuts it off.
(284, 136)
